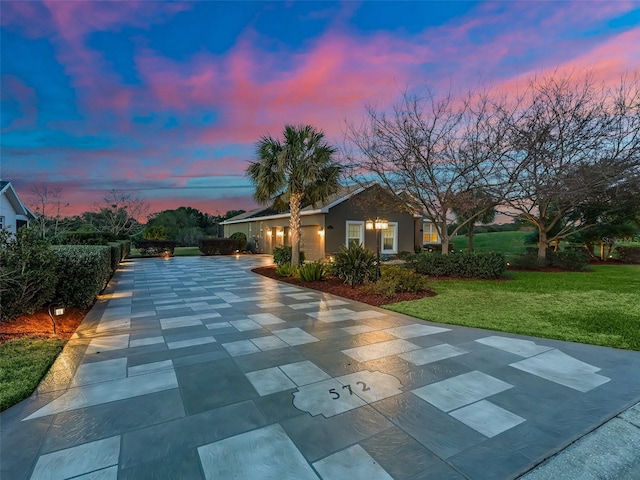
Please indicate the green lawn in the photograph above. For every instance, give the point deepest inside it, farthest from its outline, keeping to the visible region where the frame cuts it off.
(23, 363)
(600, 307)
(509, 243)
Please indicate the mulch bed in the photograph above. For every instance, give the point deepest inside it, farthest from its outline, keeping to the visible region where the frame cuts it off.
(335, 286)
(38, 325)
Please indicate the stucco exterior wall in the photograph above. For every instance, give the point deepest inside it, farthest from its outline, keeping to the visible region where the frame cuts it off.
(272, 233)
(373, 202)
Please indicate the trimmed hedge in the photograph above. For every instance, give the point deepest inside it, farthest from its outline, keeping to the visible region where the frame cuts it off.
(241, 238)
(220, 246)
(572, 260)
(460, 264)
(126, 248)
(155, 248)
(629, 254)
(116, 255)
(82, 271)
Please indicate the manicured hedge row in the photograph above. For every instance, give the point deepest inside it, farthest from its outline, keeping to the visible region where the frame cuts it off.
(116, 255)
(155, 248)
(459, 264)
(629, 254)
(126, 248)
(220, 246)
(572, 260)
(82, 271)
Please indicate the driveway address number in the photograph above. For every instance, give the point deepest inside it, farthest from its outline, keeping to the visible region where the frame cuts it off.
(336, 395)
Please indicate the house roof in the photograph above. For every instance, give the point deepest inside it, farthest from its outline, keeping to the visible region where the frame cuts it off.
(20, 208)
(267, 213)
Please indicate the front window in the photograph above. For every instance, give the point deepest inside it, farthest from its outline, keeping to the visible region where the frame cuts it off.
(355, 233)
(429, 233)
(390, 238)
(1, 223)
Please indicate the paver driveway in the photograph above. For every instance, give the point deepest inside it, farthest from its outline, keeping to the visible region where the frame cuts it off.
(197, 368)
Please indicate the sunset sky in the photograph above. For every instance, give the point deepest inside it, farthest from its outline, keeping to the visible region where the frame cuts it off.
(167, 99)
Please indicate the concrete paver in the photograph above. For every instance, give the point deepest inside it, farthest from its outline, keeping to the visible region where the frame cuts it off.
(197, 368)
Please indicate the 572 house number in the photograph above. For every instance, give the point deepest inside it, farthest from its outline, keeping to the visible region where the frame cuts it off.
(335, 395)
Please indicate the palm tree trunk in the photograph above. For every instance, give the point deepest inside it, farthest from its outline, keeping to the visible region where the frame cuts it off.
(294, 223)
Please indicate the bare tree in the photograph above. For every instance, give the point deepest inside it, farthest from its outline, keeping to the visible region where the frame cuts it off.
(47, 203)
(469, 204)
(569, 138)
(118, 213)
(433, 149)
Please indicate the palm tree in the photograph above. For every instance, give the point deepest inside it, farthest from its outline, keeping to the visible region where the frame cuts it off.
(299, 170)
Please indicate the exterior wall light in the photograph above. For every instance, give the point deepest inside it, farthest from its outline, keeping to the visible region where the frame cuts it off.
(321, 232)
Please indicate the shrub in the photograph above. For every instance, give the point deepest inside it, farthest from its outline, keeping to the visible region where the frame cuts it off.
(126, 248)
(82, 271)
(252, 246)
(432, 264)
(286, 270)
(311, 272)
(405, 255)
(460, 264)
(218, 246)
(27, 272)
(282, 255)
(355, 265)
(629, 254)
(155, 248)
(397, 279)
(116, 255)
(241, 238)
(574, 261)
(85, 238)
(528, 261)
(437, 248)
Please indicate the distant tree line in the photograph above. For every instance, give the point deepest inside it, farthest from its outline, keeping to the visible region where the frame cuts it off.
(117, 216)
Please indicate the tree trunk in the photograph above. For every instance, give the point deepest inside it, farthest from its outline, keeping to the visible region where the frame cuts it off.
(470, 237)
(444, 238)
(294, 224)
(542, 245)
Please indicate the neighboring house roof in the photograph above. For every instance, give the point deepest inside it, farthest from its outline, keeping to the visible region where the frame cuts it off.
(268, 213)
(20, 208)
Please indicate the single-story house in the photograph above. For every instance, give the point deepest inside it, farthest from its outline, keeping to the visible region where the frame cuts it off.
(339, 221)
(13, 213)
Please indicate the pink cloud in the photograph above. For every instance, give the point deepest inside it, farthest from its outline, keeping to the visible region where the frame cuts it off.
(253, 91)
(32, 18)
(14, 88)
